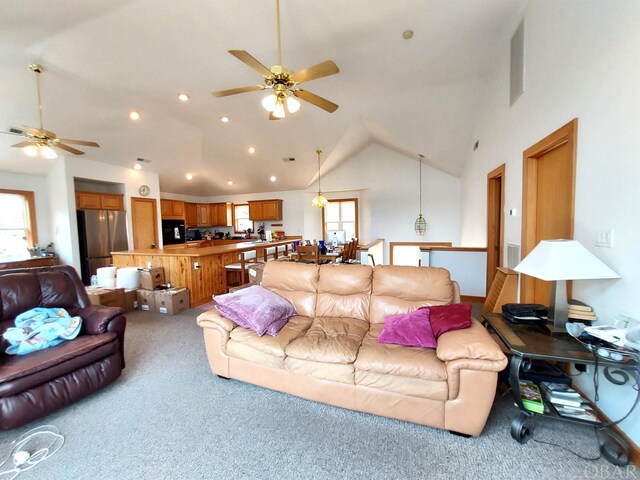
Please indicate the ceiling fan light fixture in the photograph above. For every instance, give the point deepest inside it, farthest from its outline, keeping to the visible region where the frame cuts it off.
(293, 105)
(278, 111)
(269, 102)
(47, 152)
(30, 150)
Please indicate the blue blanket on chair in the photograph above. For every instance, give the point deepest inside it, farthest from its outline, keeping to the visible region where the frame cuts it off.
(40, 328)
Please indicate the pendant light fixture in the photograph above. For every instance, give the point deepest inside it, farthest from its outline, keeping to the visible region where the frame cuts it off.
(319, 200)
(421, 224)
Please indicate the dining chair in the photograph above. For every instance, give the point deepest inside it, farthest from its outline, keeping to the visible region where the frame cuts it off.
(308, 253)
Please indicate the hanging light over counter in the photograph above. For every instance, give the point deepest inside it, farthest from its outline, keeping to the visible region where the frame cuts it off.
(319, 200)
(420, 225)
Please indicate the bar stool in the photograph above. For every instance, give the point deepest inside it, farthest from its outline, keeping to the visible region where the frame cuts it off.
(237, 272)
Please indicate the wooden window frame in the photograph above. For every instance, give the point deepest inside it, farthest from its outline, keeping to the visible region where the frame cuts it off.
(356, 229)
(32, 227)
(235, 225)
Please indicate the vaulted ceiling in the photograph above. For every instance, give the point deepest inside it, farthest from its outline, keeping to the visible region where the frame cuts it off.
(104, 58)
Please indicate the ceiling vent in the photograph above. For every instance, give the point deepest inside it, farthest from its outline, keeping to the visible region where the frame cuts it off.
(288, 159)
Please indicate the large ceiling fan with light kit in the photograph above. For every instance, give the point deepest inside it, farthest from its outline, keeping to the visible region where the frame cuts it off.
(284, 81)
(41, 141)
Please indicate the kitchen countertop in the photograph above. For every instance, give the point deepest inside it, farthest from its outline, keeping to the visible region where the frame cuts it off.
(205, 251)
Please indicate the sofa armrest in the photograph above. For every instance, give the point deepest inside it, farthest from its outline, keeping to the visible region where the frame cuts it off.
(213, 319)
(97, 319)
(470, 343)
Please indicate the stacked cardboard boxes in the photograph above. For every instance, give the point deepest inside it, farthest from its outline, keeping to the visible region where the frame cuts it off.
(150, 299)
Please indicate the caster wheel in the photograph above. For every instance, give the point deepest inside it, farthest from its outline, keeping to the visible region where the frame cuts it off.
(613, 448)
(521, 429)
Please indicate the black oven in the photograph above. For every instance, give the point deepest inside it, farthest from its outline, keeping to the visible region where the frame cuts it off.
(172, 232)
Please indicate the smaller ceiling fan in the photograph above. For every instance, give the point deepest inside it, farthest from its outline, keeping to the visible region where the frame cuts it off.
(41, 141)
(283, 81)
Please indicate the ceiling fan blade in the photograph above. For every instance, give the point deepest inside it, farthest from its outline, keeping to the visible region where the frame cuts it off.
(273, 117)
(320, 70)
(22, 144)
(78, 142)
(316, 100)
(234, 91)
(252, 62)
(39, 132)
(75, 151)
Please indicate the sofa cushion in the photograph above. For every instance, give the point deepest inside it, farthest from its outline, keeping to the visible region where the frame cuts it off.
(399, 289)
(23, 372)
(334, 372)
(20, 292)
(406, 370)
(296, 282)
(330, 340)
(295, 328)
(444, 318)
(255, 308)
(344, 292)
(409, 329)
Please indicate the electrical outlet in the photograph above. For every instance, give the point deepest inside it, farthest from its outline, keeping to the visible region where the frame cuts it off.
(196, 265)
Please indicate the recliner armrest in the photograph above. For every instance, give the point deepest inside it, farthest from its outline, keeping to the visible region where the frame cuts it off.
(97, 319)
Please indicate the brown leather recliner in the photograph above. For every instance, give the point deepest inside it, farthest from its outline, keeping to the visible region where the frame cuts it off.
(42, 382)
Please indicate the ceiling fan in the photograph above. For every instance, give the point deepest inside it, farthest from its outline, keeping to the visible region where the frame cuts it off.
(41, 141)
(283, 81)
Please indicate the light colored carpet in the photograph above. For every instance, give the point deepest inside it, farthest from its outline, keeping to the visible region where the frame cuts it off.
(169, 417)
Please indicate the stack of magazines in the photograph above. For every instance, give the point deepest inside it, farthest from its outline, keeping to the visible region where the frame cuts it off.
(531, 397)
(567, 402)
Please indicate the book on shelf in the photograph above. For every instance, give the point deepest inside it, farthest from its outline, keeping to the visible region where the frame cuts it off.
(590, 317)
(577, 413)
(560, 394)
(531, 396)
(577, 305)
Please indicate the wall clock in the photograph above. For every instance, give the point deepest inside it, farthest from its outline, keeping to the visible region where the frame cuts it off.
(144, 190)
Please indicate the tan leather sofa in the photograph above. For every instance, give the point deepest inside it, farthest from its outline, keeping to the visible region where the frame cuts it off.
(329, 352)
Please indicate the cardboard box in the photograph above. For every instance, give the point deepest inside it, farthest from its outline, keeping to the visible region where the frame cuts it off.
(150, 278)
(240, 287)
(146, 300)
(130, 299)
(255, 273)
(109, 297)
(172, 301)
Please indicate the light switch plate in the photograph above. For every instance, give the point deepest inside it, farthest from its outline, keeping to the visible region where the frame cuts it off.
(604, 238)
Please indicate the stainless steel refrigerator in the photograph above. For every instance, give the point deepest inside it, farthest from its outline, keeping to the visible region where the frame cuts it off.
(100, 232)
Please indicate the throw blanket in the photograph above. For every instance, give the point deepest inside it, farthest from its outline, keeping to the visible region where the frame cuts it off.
(40, 328)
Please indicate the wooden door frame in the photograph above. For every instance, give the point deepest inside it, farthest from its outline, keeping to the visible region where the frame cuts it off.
(567, 134)
(155, 217)
(492, 261)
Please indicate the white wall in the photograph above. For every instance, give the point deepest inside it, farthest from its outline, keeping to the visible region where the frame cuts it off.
(580, 61)
(38, 185)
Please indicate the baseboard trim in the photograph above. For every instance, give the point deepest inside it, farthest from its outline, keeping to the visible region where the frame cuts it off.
(634, 450)
(471, 298)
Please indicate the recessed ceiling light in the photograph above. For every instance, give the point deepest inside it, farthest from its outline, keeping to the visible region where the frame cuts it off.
(133, 115)
(183, 97)
(272, 178)
(229, 182)
(252, 150)
(138, 166)
(224, 119)
(407, 34)
(189, 176)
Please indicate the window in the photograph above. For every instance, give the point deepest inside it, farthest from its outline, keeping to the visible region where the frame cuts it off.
(341, 214)
(17, 223)
(241, 220)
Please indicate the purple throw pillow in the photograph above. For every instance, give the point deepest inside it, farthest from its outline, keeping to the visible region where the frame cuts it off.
(444, 318)
(256, 308)
(410, 329)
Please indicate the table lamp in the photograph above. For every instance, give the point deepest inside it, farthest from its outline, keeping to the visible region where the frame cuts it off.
(558, 261)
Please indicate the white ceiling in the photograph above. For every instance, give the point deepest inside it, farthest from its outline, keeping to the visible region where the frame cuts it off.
(103, 58)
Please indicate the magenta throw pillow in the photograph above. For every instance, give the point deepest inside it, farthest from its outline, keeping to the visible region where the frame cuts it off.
(256, 308)
(410, 329)
(444, 318)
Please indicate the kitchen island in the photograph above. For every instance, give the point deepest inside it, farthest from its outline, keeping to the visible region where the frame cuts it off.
(201, 270)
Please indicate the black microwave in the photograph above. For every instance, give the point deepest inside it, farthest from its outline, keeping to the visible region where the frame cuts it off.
(172, 232)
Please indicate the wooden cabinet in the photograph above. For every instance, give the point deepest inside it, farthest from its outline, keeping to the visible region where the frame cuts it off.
(265, 210)
(99, 201)
(221, 214)
(203, 212)
(190, 215)
(172, 209)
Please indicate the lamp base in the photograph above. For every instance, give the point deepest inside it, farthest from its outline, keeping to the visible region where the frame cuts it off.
(554, 331)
